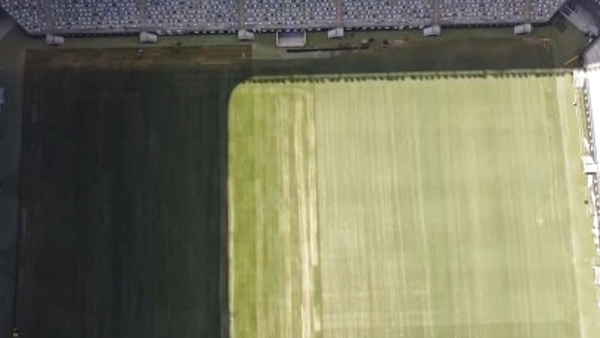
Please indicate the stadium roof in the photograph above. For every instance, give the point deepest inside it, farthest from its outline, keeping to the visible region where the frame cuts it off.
(183, 16)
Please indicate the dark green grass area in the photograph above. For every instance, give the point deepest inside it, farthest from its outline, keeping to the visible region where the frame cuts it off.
(123, 187)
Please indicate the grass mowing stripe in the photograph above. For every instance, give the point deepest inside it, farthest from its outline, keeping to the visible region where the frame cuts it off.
(282, 221)
(446, 207)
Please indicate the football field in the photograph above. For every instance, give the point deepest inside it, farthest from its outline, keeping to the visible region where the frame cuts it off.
(448, 206)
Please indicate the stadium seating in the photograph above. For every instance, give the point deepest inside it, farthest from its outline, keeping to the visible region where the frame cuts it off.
(119, 16)
(186, 15)
(90, 15)
(28, 13)
(542, 10)
(288, 14)
(388, 13)
(488, 11)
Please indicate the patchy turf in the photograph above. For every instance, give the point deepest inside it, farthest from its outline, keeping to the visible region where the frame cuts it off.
(419, 207)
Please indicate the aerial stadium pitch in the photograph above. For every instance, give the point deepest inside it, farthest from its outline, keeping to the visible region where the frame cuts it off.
(446, 206)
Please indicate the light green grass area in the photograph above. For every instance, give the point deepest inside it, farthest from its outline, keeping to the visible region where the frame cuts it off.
(446, 207)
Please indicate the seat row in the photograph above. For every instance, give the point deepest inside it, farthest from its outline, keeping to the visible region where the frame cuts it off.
(293, 13)
(542, 10)
(386, 13)
(486, 10)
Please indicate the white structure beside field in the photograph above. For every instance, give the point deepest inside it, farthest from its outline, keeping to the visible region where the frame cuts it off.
(523, 29)
(588, 81)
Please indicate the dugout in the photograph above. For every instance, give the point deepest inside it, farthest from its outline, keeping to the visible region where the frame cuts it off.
(288, 39)
(54, 40)
(245, 35)
(336, 33)
(146, 37)
(432, 31)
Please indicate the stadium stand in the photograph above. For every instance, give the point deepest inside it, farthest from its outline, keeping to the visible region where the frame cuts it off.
(183, 16)
(542, 10)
